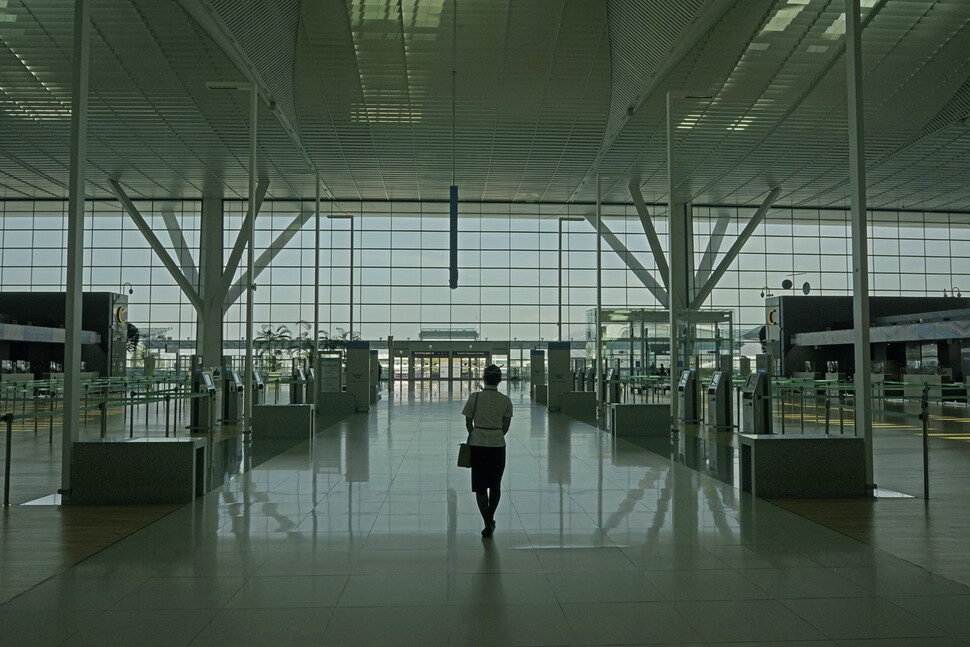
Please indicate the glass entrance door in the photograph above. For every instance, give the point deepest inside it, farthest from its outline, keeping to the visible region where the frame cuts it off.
(430, 368)
(469, 367)
(400, 368)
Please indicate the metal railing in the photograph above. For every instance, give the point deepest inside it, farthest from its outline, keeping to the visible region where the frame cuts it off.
(101, 395)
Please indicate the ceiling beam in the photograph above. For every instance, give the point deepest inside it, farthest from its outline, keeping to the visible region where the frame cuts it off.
(702, 25)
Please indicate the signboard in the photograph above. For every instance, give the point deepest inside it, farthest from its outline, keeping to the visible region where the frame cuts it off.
(330, 381)
(538, 358)
(560, 377)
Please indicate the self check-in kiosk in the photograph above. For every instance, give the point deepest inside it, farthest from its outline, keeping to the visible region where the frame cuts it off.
(612, 394)
(310, 384)
(590, 379)
(579, 381)
(232, 396)
(202, 411)
(756, 405)
(688, 393)
(297, 386)
(719, 401)
(259, 388)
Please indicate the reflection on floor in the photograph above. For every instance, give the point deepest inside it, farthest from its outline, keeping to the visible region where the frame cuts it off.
(369, 536)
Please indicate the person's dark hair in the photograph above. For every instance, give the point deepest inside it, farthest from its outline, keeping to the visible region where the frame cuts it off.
(493, 375)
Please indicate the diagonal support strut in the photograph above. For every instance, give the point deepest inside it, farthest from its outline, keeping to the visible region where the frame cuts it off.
(713, 248)
(732, 253)
(268, 255)
(241, 241)
(156, 245)
(181, 247)
(651, 232)
(631, 262)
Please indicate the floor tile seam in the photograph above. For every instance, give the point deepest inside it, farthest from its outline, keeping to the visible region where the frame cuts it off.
(847, 581)
(65, 567)
(892, 601)
(671, 606)
(785, 603)
(909, 565)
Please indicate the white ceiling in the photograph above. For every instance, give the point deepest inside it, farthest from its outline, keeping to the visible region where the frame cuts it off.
(523, 101)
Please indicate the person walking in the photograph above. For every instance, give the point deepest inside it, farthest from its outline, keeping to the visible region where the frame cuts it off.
(488, 415)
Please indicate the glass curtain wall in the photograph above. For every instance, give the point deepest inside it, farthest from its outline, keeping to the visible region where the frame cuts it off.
(508, 263)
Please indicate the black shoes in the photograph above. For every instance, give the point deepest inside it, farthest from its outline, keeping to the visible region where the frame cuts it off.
(489, 528)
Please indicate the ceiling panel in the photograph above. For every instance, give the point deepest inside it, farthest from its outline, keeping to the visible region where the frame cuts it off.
(520, 101)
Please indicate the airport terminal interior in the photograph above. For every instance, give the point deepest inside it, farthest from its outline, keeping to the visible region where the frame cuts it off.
(255, 257)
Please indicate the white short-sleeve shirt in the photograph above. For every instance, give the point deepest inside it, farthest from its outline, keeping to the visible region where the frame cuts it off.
(487, 408)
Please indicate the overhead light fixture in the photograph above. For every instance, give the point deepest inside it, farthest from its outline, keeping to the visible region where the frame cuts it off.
(227, 85)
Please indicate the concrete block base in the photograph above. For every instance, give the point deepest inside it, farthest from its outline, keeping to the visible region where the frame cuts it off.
(539, 393)
(142, 471)
(283, 421)
(579, 404)
(338, 404)
(802, 467)
(640, 419)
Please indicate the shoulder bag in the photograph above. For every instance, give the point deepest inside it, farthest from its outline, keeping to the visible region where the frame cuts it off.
(464, 450)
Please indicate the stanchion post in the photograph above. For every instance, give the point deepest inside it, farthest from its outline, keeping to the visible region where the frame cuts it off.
(781, 408)
(924, 414)
(828, 413)
(801, 407)
(131, 419)
(841, 413)
(8, 418)
(104, 418)
(167, 398)
(50, 425)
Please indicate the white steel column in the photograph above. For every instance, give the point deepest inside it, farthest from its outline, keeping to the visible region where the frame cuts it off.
(75, 242)
(561, 220)
(675, 284)
(350, 334)
(351, 323)
(251, 288)
(211, 254)
(598, 374)
(316, 299)
(860, 248)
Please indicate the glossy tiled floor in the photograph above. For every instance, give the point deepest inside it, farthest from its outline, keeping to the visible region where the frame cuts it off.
(370, 536)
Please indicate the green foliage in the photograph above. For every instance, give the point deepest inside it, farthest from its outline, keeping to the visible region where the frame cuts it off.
(328, 342)
(134, 336)
(273, 344)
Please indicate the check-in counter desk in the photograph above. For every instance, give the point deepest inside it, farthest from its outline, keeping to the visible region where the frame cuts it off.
(913, 385)
(882, 386)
